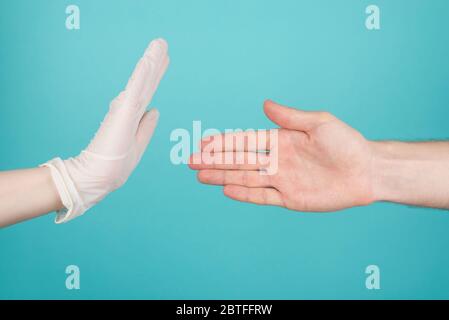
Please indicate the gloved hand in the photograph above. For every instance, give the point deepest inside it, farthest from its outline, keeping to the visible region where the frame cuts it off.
(117, 147)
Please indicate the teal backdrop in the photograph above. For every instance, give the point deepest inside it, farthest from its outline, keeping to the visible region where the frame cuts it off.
(164, 235)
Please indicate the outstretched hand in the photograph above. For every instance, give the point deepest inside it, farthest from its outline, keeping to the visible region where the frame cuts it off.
(322, 164)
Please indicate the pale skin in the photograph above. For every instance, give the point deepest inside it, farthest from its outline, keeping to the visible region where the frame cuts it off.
(325, 165)
(27, 194)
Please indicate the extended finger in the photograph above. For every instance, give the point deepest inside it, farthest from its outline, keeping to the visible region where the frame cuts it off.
(250, 140)
(229, 161)
(234, 177)
(145, 73)
(157, 55)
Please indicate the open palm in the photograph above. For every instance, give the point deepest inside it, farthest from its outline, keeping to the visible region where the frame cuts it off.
(322, 164)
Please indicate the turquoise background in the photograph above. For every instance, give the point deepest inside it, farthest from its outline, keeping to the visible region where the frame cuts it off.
(164, 235)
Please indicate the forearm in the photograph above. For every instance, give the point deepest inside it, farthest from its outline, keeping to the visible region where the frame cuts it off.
(411, 173)
(26, 194)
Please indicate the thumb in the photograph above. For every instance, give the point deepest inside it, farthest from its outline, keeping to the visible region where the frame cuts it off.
(145, 131)
(294, 119)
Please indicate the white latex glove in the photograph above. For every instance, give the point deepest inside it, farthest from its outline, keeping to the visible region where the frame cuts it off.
(118, 145)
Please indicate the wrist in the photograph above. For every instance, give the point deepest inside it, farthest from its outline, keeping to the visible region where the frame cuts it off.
(386, 170)
(411, 173)
(56, 201)
(72, 203)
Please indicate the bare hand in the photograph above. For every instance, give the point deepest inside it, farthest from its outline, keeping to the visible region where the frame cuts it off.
(323, 165)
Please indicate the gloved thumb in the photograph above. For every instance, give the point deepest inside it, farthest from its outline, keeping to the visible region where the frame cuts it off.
(294, 119)
(145, 131)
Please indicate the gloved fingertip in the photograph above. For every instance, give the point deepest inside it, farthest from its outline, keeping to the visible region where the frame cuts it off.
(160, 42)
(157, 47)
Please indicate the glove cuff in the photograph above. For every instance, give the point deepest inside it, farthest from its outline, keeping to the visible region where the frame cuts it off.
(70, 197)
